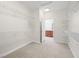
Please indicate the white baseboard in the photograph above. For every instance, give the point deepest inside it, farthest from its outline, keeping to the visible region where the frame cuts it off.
(6, 53)
(37, 42)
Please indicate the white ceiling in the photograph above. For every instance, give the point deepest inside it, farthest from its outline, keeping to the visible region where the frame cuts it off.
(35, 4)
(57, 5)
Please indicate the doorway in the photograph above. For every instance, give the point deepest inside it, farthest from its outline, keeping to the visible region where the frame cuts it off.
(47, 30)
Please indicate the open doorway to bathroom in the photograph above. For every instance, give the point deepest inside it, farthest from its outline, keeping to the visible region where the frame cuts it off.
(47, 30)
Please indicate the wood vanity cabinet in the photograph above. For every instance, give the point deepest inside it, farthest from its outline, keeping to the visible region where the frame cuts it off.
(49, 33)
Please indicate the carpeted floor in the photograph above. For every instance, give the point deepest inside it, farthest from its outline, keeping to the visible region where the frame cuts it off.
(44, 50)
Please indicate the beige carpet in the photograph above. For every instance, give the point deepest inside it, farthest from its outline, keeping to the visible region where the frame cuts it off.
(35, 50)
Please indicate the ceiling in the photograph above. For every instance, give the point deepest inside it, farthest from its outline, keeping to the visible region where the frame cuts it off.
(56, 5)
(35, 4)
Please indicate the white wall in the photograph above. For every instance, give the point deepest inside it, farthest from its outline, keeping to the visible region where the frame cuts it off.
(58, 13)
(74, 23)
(74, 28)
(16, 26)
(36, 26)
(73, 17)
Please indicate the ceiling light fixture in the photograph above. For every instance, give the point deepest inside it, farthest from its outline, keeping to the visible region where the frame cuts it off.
(47, 9)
